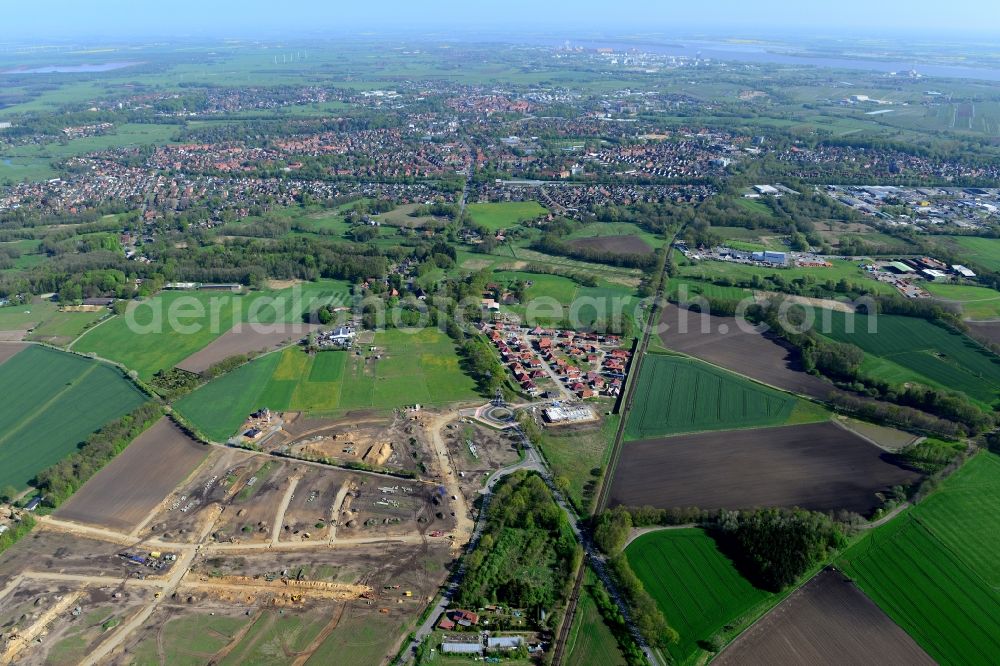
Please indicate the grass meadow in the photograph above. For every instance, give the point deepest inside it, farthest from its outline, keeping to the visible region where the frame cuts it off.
(591, 642)
(421, 368)
(505, 214)
(979, 303)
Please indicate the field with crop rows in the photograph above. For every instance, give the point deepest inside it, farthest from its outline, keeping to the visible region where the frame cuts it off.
(676, 395)
(694, 584)
(934, 570)
(168, 328)
(931, 354)
(52, 401)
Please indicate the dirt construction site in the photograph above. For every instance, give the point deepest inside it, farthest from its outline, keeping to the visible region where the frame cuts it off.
(250, 557)
(396, 444)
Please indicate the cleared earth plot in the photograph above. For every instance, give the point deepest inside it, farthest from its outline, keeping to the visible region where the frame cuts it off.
(9, 349)
(819, 466)
(744, 351)
(52, 402)
(677, 395)
(934, 570)
(137, 480)
(694, 584)
(827, 621)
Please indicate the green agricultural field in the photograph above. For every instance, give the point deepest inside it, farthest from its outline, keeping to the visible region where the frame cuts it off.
(697, 587)
(156, 344)
(677, 394)
(145, 340)
(52, 401)
(505, 214)
(923, 352)
(221, 406)
(695, 288)
(983, 252)
(934, 570)
(590, 641)
(979, 303)
(63, 327)
(420, 368)
(841, 269)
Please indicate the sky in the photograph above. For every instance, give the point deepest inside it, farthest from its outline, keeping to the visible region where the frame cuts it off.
(122, 19)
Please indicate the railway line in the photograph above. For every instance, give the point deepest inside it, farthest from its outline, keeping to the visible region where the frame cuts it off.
(596, 560)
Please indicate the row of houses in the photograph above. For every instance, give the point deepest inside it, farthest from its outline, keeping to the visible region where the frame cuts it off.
(606, 381)
(526, 352)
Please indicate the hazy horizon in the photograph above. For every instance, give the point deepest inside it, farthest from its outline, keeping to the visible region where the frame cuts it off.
(121, 20)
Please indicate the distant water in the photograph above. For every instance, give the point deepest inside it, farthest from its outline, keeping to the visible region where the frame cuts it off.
(72, 69)
(723, 51)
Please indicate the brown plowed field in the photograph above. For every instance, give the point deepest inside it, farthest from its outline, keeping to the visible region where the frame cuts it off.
(827, 621)
(9, 349)
(819, 466)
(134, 483)
(985, 330)
(613, 244)
(244, 340)
(748, 353)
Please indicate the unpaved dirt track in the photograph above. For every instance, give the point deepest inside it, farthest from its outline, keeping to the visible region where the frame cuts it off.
(464, 524)
(279, 516)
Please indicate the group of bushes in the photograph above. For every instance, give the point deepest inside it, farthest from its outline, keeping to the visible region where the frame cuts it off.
(527, 553)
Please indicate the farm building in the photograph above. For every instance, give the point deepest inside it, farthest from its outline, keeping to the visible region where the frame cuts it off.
(504, 642)
(898, 267)
(461, 648)
(963, 271)
(933, 274)
(342, 336)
